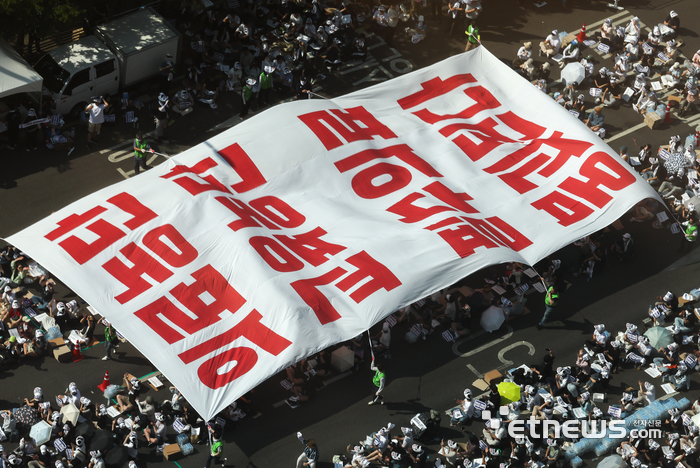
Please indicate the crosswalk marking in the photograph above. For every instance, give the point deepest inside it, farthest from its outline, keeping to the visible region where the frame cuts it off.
(598, 23)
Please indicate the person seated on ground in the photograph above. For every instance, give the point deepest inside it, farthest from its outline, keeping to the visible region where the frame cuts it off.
(551, 45)
(689, 102)
(495, 432)
(542, 72)
(669, 300)
(528, 70)
(671, 52)
(621, 68)
(601, 80)
(545, 410)
(600, 339)
(583, 363)
(607, 31)
(669, 360)
(672, 78)
(35, 347)
(654, 175)
(155, 433)
(570, 53)
(12, 316)
(595, 121)
(128, 402)
(560, 385)
(672, 21)
(524, 53)
(612, 96)
(467, 410)
(685, 321)
(406, 440)
(514, 308)
(531, 397)
(633, 31)
(146, 407)
(624, 247)
(295, 372)
(679, 379)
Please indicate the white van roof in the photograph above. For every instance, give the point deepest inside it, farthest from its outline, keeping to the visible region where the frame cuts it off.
(78, 55)
(137, 31)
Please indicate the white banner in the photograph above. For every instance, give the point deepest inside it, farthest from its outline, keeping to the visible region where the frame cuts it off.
(306, 225)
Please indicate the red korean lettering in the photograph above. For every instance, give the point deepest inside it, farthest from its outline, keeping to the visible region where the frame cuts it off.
(197, 183)
(402, 152)
(129, 204)
(275, 255)
(278, 211)
(208, 280)
(326, 124)
(250, 328)
(244, 167)
(81, 251)
(248, 216)
(564, 208)
(319, 303)
(516, 179)
(501, 232)
(464, 238)
(615, 178)
(458, 201)
(363, 182)
(185, 252)
(483, 100)
(434, 88)
(131, 277)
(310, 247)
(367, 267)
(527, 128)
(74, 221)
(483, 131)
(412, 213)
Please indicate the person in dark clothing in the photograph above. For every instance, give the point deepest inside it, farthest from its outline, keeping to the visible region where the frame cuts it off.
(12, 120)
(545, 369)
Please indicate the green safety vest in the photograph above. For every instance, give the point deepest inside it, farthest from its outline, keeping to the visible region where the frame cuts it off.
(473, 34)
(553, 301)
(691, 233)
(378, 378)
(142, 145)
(265, 81)
(247, 92)
(215, 448)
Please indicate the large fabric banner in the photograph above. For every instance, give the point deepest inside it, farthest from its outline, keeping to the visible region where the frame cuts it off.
(307, 224)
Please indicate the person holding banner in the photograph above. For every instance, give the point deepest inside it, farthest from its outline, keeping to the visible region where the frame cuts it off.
(141, 147)
(550, 302)
(379, 381)
(217, 448)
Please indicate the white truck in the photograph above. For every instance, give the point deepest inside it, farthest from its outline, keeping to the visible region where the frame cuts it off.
(122, 53)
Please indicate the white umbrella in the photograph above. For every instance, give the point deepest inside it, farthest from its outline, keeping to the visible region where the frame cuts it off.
(492, 318)
(40, 432)
(573, 72)
(70, 413)
(613, 461)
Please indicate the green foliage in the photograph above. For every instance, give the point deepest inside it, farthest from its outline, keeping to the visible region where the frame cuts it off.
(42, 16)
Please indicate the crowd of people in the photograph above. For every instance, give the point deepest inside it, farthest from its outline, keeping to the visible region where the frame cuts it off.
(638, 60)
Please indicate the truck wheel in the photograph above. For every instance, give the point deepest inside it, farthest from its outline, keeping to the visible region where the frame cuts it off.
(77, 109)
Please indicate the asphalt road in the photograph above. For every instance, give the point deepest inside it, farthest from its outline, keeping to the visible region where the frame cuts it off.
(428, 374)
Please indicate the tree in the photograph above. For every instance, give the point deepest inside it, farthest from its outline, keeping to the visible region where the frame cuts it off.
(36, 17)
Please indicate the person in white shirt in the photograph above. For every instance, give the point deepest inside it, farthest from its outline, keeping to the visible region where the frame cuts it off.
(524, 53)
(551, 44)
(647, 392)
(96, 112)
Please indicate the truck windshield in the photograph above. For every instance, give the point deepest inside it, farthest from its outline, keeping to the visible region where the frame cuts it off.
(54, 76)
